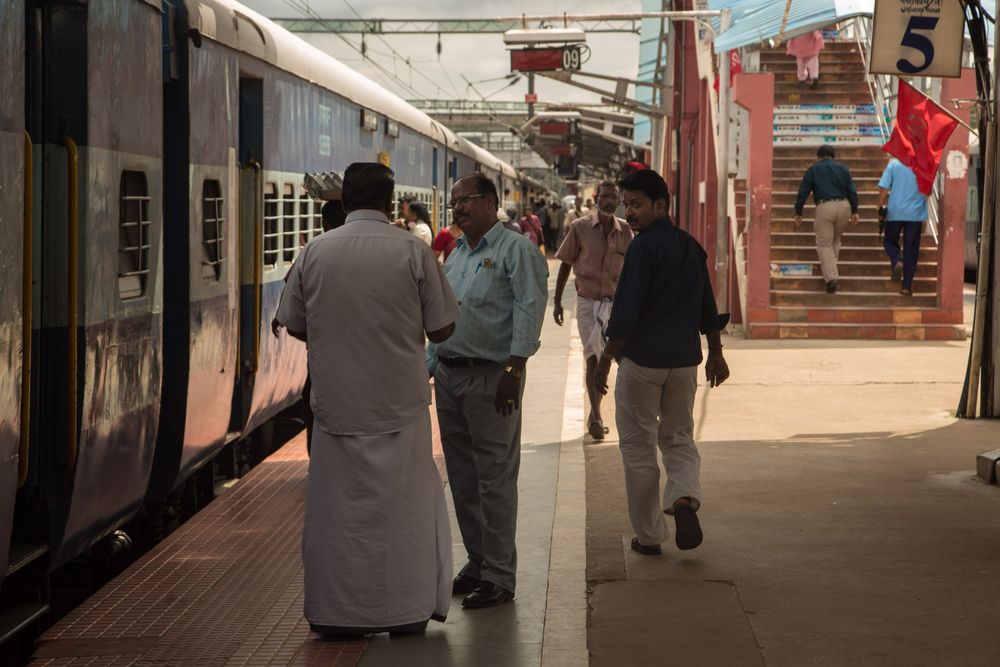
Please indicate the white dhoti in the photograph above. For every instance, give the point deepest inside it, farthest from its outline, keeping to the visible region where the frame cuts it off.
(592, 317)
(376, 542)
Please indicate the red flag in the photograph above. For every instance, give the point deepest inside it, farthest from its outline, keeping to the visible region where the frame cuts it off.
(919, 133)
(735, 67)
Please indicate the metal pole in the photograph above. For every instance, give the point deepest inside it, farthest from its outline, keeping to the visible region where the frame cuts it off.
(722, 190)
(531, 91)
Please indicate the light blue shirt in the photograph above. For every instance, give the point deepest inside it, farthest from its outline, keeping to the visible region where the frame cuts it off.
(906, 202)
(502, 289)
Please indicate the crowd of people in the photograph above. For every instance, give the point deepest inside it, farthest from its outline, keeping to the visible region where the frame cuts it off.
(368, 295)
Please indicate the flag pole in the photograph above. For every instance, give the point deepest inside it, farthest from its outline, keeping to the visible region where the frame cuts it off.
(938, 105)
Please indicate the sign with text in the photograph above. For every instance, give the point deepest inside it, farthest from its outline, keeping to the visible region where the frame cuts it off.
(546, 59)
(917, 38)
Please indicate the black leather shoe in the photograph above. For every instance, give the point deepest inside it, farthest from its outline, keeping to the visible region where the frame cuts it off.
(487, 595)
(831, 286)
(463, 585)
(688, 530)
(645, 550)
(408, 630)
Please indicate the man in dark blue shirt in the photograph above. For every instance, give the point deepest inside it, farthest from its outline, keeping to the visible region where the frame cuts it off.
(663, 301)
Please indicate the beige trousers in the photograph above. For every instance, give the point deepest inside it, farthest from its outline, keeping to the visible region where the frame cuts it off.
(654, 408)
(832, 218)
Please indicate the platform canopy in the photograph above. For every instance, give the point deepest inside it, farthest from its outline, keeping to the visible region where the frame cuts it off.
(754, 21)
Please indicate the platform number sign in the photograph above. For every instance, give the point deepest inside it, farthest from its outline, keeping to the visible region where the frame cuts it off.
(917, 38)
(571, 58)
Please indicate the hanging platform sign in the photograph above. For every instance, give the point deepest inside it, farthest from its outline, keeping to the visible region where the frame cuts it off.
(917, 38)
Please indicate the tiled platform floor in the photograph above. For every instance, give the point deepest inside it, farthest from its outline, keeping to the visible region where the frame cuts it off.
(224, 589)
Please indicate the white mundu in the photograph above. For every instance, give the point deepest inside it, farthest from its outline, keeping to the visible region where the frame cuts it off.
(376, 542)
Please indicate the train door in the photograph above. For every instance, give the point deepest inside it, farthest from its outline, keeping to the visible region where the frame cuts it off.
(95, 114)
(15, 279)
(251, 242)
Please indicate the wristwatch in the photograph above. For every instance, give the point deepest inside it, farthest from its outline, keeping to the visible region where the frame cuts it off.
(514, 372)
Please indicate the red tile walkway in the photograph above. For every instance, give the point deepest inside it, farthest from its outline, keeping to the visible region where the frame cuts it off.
(224, 589)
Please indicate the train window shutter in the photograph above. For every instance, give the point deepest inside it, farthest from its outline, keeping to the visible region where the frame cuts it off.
(271, 218)
(213, 225)
(289, 220)
(133, 234)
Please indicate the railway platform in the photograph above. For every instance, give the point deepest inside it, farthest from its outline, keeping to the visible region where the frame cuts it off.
(843, 525)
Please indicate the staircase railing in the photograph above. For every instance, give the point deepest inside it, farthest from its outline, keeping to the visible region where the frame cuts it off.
(881, 89)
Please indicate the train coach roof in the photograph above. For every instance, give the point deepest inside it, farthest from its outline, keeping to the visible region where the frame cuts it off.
(230, 23)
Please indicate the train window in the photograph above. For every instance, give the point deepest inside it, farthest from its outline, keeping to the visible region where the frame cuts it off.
(317, 220)
(288, 223)
(213, 222)
(133, 234)
(271, 217)
(305, 219)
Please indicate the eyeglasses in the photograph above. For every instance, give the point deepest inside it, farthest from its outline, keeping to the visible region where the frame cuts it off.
(464, 199)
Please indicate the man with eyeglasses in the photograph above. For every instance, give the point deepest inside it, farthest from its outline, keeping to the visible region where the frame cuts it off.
(500, 280)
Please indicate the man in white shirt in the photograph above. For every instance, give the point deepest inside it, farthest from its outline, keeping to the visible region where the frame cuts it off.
(376, 544)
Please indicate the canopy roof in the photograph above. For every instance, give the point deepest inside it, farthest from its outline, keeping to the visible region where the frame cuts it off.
(755, 21)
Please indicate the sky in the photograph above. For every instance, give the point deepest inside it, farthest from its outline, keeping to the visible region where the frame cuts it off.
(482, 59)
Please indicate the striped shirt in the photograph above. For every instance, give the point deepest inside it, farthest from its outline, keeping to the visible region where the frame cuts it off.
(365, 293)
(502, 288)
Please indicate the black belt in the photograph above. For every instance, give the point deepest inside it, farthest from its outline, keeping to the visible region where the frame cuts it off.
(823, 201)
(466, 362)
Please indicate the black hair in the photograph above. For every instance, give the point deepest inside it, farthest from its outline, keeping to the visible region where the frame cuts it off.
(647, 182)
(334, 215)
(368, 185)
(826, 150)
(419, 209)
(607, 184)
(484, 186)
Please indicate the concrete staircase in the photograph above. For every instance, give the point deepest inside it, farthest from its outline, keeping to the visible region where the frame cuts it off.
(867, 304)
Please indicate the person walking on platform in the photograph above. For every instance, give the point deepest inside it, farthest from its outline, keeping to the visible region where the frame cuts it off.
(376, 542)
(836, 205)
(594, 250)
(664, 299)
(906, 214)
(500, 280)
(806, 50)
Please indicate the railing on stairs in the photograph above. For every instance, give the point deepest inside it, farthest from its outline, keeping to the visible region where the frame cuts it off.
(881, 88)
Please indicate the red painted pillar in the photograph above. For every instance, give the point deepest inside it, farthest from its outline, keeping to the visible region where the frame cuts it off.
(954, 164)
(755, 93)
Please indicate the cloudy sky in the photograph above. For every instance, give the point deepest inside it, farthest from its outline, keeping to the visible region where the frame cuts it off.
(479, 58)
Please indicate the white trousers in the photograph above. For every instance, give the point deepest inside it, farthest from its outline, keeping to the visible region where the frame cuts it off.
(808, 67)
(654, 407)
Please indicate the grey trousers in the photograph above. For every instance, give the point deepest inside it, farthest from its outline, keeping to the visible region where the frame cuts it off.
(654, 408)
(482, 452)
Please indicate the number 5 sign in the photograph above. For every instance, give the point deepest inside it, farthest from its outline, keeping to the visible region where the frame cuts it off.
(917, 38)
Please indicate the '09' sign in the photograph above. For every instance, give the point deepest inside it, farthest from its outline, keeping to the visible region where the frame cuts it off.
(917, 38)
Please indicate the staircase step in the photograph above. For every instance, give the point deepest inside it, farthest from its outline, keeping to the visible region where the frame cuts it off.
(820, 139)
(802, 237)
(852, 284)
(859, 269)
(820, 96)
(791, 184)
(856, 331)
(837, 130)
(865, 108)
(813, 119)
(874, 255)
(851, 299)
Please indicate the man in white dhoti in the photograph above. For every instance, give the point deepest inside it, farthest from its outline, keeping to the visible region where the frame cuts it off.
(376, 544)
(594, 249)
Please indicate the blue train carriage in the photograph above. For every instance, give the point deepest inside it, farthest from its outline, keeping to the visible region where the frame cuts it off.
(300, 111)
(95, 116)
(15, 305)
